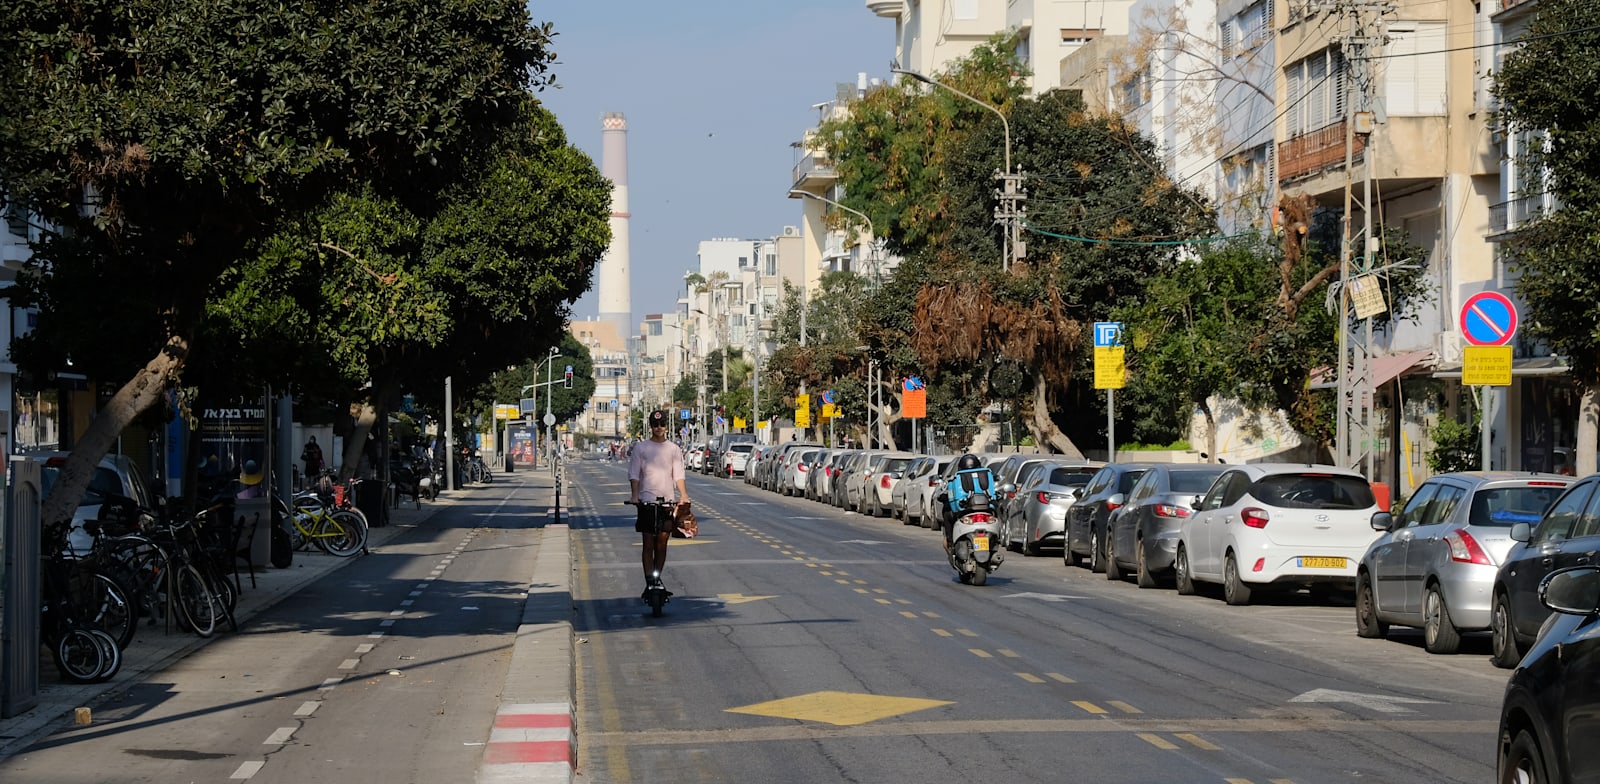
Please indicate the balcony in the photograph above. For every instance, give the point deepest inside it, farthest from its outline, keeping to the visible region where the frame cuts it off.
(1508, 216)
(1312, 152)
(814, 173)
(892, 9)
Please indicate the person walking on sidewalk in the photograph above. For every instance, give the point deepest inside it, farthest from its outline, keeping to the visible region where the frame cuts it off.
(655, 470)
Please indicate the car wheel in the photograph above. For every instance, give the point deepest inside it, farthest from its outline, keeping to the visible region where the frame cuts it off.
(1234, 591)
(1522, 763)
(1367, 623)
(1181, 576)
(1029, 546)
(1113, 571)
(1141, 570)
(1506, 652)
(1097, 553)
(1439, 635)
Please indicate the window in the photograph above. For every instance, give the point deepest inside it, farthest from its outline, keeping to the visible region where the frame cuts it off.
(1444, 504)
(1192, 482)
(1125, 484)
(1507, 506)
(1417, 508)
(1316, 92)
(1415, 76)
(1314, 491)
(1558, 522)
(744, 261)
(772, 264)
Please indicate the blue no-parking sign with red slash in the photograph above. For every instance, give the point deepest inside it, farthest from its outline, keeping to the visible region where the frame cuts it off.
(1488, 318)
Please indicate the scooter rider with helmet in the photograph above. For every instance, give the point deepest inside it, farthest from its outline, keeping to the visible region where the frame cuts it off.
(970, 477)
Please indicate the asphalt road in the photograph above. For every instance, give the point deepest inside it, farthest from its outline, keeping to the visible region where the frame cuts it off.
(805, 644)
(387, 670)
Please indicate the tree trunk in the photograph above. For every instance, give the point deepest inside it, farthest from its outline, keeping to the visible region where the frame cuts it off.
(886, 419)
(1211, 432)
(1588, 433)
(143, 391)
(1044, 430)
(356, 445)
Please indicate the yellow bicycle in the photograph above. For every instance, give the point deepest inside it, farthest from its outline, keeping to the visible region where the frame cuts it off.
(341, 532)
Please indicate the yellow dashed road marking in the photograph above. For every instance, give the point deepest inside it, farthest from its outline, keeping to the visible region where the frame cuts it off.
(879, 590)
(1089, 706)
(930, 615)
(1238, 781)
(1009, 654)
(902, 601)
(1123, 706)
(966, 633)
(860, 590)
(942, 633)
(1157, 741)
(908, 615)
(882, 601)
(1056, 676)
(842, 582)
(1030, 677)
(980, 653)
(1197, 741)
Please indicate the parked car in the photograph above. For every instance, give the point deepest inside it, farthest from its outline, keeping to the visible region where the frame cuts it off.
(717, 450)
(758, 456)
(905, 492)
(821, 480)
(877, 487)
(927, 492)
(1278, 524)
(736, 458)
(1089, 518)
(1548, 716)
(1435, 568)
(793, 469)
(1567, 535)
(695, 456)
(1144, 532)
(1038, 515)
(114, 475)
(855, 478)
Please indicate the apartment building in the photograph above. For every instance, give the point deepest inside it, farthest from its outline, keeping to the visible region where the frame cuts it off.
(612, 402)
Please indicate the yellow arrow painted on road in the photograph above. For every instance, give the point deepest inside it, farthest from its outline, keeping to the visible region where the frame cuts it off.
(739, 598)
(839, 708)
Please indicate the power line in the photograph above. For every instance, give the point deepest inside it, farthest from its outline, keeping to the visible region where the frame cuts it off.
(1146, 243)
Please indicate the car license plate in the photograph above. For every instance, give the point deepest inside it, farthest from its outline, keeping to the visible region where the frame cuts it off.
(1314, 562)
(980, 543)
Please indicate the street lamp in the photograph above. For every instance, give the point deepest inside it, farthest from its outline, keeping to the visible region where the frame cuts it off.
(872, 249)
(1009, 194)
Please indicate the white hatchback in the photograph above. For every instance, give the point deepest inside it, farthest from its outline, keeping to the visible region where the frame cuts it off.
(1278, 524)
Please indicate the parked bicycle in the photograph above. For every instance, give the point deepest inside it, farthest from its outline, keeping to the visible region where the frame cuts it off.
(73, 598)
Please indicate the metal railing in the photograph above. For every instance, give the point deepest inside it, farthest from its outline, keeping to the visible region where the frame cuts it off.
(1311, 152)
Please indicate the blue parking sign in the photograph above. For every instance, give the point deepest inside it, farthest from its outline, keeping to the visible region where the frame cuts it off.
(1107, 334)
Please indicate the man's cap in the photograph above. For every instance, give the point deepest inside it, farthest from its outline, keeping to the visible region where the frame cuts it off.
(658, 418)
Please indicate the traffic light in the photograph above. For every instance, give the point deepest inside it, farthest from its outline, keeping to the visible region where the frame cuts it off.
(568, 382)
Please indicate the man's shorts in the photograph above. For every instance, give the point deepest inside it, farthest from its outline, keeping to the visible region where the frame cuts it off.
(646, 522)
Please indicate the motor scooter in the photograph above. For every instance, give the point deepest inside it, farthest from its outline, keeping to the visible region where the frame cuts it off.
(975, 546)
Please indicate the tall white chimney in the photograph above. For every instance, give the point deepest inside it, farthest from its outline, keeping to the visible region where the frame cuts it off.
(616, 301)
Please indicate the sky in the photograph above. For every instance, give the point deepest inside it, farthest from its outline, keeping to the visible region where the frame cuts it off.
(715, 92)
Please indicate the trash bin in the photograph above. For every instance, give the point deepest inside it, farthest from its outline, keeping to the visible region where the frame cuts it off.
(369, 499)
(19, 590)
(509, 466)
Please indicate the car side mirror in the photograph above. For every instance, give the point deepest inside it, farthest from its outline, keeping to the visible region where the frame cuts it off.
(1574, 591)
(1382, 521)
(1006, 488)
(1521, 532)
(1117, 500)
(1194, 503)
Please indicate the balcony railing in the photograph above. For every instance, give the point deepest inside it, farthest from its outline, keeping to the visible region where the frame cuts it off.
(814, 168)
(1311, 152)
(1509, 215)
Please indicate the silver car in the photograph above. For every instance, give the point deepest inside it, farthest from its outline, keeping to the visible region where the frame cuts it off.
(1435, 566)
(1039, 512)
(1145, 529)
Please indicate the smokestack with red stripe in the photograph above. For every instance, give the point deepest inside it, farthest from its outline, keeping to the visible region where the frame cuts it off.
(616, 302)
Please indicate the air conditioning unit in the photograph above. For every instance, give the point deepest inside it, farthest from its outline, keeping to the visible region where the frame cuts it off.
(1447, 348)
(791, 231)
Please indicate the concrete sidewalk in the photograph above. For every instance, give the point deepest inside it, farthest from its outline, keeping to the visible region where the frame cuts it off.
(543, 645)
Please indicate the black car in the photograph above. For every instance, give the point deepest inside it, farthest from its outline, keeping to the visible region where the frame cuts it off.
(1551, 713)
(1088, 517)
(1567, 535)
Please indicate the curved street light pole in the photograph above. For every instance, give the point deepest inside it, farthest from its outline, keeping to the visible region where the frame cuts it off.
(871, 249)
(1009, 191)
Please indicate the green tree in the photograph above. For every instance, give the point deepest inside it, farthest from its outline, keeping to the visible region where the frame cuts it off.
(201, 137)
(1554, 254)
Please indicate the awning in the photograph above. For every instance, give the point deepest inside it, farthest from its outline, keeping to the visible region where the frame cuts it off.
(1385, 368)
(1523, 367)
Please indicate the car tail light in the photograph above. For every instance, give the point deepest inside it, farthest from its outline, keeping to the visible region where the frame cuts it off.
(1168, 510)
(884, 482)
(1261, 563)
(1255, 518)
(1465, 549)
(1547, 484)
(1044, 498)
(1110, 507)
(802, 468)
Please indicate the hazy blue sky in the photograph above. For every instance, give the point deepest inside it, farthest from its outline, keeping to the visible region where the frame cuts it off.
(715, 91)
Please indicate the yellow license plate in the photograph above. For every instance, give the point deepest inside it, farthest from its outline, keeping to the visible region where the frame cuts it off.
(980, 543)
(1312, 562)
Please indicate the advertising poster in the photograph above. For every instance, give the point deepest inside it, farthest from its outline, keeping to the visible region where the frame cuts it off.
(522, 443)
(233, 447)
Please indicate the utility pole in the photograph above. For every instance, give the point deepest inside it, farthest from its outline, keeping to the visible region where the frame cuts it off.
(1357, 428)
(1009, 214)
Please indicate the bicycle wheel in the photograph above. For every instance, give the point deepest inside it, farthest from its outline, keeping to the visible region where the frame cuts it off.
(343, 534)
(112, 656)
(78, 656)
(109, 607)
(197, 605)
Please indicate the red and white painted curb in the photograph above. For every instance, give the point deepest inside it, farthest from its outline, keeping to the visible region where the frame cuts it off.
(531, 742)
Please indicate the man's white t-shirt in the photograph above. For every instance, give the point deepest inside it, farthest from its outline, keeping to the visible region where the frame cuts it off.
(658, 468)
